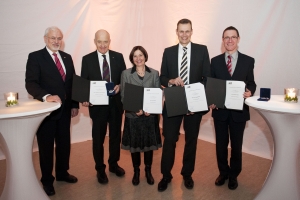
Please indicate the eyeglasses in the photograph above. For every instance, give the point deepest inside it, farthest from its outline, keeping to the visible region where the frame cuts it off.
(227, 38)
(54, 38)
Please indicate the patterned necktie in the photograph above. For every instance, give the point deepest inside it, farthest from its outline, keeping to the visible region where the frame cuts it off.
(105, 70)
(229, 65)
(59, 67)
(184, 67)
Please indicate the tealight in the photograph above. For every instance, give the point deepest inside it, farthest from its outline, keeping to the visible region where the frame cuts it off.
(291, 95)
(11, 99)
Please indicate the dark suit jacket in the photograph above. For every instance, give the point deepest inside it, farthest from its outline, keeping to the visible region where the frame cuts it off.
(243, 72)
(43, 77)
(199, 66)
(90, 70)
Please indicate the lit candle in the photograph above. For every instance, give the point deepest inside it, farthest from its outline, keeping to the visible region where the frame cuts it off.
(11, 97)
(291, 94)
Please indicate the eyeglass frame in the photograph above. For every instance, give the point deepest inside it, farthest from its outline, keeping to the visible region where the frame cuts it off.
(227, 38)
(55, 38)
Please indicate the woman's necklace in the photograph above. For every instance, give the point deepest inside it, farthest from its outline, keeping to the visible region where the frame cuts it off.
(141, 73)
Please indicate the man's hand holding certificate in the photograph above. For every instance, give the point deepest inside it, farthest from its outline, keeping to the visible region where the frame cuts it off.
(91, 92)
(195, 96)
(222, 93)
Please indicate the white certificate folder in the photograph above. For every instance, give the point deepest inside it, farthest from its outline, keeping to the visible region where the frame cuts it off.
(139, 98)
(182, 100)
(225, 93)
(94, 92)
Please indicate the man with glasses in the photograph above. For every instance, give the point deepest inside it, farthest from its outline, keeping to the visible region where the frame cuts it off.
(230, 124)
(49, 77)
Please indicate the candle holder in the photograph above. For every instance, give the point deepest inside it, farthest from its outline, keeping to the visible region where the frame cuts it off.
(291, 95)
(11, 99)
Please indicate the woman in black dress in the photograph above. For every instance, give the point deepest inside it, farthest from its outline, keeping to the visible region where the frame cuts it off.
(141, 130)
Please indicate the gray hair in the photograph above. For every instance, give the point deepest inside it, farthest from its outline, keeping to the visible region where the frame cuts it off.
(51, 28)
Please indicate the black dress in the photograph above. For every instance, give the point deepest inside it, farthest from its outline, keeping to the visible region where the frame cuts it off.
(141, 133)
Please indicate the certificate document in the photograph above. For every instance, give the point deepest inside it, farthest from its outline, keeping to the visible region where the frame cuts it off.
(152, 100)
(98, 93)
(234, 95)
(195, 97)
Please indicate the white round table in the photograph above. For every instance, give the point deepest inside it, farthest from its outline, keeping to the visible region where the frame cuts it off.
(283, 119)
(18, 125)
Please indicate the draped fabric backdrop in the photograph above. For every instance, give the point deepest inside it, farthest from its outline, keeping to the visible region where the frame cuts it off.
(269, 32)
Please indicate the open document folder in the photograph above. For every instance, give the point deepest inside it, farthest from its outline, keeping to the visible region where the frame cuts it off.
(94, 92)
(181, 100)
(139, 98)
(225, 93)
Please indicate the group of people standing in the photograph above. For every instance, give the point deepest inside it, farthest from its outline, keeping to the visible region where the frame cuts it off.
(49, 74)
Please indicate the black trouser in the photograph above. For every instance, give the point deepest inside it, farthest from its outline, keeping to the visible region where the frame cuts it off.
(236, 133)
(57, 131)
(112, 115)
(171, 126)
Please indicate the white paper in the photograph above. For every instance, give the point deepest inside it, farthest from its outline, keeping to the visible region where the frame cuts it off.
(235, 95)
(196, 97)
(98, 93)
(152, 102)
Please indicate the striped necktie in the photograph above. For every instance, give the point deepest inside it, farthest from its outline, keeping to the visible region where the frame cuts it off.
(229, 65)
(184, 67)
(105, 69)
(59, 67)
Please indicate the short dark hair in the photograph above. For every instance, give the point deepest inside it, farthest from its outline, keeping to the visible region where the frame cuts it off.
(231, 28)
(144, 52)
(184, 21)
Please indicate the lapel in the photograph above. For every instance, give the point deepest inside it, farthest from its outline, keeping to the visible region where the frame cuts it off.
(52, 66)
(192, 62)
(238, 66)
(175, 61)
(223, 67)
(136, 78)
(96, 66)
(112, 62)
(67, 65)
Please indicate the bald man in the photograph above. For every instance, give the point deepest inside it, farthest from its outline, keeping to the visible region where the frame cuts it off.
(92, 69)
(49, 77)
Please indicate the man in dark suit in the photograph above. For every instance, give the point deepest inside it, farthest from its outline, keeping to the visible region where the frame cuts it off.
(231, 65)
(49, 74)
(93, 68)
(184, 63)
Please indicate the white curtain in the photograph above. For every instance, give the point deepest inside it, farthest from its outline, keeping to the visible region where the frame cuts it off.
(269, 32)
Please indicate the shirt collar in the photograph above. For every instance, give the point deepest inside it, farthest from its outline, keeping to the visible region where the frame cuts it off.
(187, 46)
(133, 69)
(51, 52)
(100, 54)
(234, 55)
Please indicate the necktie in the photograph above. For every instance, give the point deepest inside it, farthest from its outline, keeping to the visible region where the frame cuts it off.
(183, 68)
(59, 67)
(229, 64)
(105, 70)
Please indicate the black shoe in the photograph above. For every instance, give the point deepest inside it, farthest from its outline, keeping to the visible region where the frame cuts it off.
(49, 190)
(149, 177)
(119, 171)
(102, 178)
(163, 184)
(136, 177)
(69, 179)
(233, 183)
(188, 182)
(221, 180)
